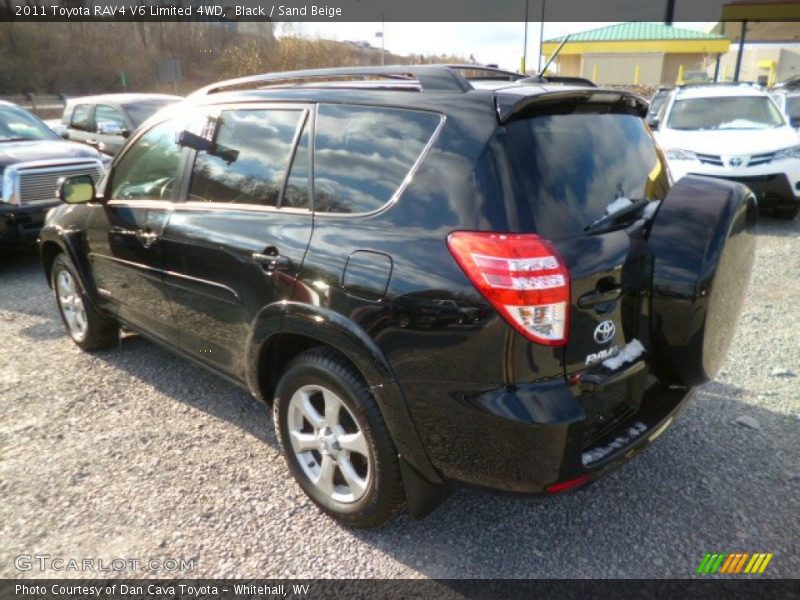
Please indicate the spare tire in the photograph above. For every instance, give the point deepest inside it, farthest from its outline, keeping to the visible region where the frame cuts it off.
(703, 245)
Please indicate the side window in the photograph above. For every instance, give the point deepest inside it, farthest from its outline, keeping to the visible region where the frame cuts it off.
(147, 171)
(66, 118)
(363, 154)
(108, 114)
(297, 194)
(249, 157)
(82, 117)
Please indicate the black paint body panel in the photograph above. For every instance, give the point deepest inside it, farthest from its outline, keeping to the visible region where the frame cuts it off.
(465, 396)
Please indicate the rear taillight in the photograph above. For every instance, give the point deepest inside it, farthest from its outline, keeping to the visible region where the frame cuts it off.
(522, 277)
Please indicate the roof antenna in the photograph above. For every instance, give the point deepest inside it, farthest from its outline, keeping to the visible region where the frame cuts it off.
(553, 57)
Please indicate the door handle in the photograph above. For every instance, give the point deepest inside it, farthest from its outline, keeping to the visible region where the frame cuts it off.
(92, 142)
(272, 261)
(148, 238)
(598, 297)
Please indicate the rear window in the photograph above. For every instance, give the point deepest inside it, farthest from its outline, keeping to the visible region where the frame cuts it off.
(363, 154)
(570, 167)
(142, 111)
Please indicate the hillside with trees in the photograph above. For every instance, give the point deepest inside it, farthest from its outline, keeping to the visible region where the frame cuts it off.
(174, 57)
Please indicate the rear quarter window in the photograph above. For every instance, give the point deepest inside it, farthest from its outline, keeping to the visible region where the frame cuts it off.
(567, 168)
(362, 154)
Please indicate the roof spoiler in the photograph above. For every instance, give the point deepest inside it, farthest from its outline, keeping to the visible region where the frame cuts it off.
(514, 106)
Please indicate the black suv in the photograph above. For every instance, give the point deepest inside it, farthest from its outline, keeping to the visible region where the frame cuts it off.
(433, 279)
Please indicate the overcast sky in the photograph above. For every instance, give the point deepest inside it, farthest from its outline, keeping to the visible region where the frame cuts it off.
(500, 43)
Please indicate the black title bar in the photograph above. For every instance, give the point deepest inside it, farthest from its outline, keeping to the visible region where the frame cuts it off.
(219, 589)
(364, 10)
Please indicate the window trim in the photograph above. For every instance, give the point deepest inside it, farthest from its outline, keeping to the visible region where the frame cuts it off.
(406, 180)
(305, 119)
(180, 198)
(215, 110)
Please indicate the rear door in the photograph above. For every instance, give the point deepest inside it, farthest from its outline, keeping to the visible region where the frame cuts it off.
(238, 242)
(577, 165)
(110, 143)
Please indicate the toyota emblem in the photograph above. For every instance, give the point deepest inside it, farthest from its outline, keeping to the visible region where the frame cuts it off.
(735, 161)
(604, 332)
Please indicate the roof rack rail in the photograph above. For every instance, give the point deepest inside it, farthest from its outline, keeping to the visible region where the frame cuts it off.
(438, 78)
(492, 72)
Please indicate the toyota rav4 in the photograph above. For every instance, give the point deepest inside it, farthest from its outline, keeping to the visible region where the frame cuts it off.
(430, 281)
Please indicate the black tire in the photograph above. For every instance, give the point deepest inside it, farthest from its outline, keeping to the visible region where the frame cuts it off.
(100, 331)
(787, 213)
(383, 496)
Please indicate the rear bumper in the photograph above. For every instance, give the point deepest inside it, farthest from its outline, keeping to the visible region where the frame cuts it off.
(20, 225)
(771, 191)
(525, 438)
(775, 183)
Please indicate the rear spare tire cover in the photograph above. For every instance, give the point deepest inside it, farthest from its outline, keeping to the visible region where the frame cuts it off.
(703, 244)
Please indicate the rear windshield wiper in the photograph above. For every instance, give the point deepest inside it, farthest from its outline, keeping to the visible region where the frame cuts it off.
(633, 208)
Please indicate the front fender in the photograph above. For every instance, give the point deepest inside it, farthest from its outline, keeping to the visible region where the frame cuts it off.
(71, 242)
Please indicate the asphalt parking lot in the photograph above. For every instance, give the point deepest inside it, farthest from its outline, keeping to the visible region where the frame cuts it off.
(135, 453)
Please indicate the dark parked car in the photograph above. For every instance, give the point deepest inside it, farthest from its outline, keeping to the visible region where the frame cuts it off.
(107, 121)
(32, 160)
(657, 104)
(433, 283)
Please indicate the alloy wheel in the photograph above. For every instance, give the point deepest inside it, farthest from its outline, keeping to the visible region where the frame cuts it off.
(71, 303)
(329, 443)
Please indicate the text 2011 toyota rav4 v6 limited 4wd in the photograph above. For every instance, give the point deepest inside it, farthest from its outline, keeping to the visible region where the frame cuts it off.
(433, 279)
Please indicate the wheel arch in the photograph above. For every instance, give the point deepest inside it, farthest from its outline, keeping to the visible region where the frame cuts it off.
(48, 251)
(283, 330)
(294, 327)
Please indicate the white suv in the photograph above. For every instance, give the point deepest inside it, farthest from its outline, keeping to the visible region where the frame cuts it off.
(734, 132)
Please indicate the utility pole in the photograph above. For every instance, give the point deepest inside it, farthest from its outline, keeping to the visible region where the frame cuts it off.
(522, 66)
(541, 37)
(742, 35)
(380, 34)
(669, 13)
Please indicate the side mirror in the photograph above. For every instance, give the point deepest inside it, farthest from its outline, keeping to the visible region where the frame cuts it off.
(78, 189)
(111, 128)
(652, 122)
